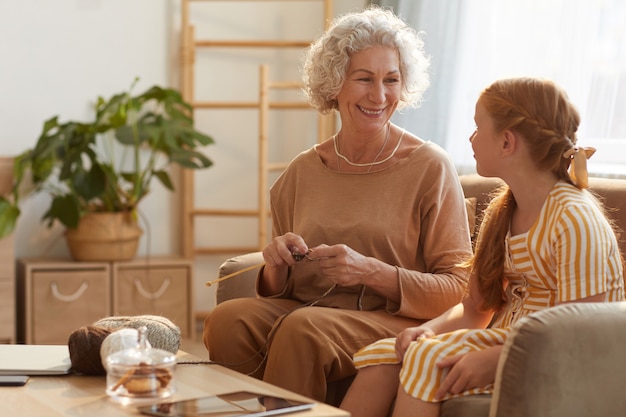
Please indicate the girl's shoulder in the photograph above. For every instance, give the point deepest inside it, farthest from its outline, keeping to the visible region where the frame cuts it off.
(566, 194)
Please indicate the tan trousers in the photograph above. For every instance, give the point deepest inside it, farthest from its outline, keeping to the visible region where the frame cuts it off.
(308, 347)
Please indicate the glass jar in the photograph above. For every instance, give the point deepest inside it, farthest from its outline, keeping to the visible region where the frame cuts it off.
(140, 373)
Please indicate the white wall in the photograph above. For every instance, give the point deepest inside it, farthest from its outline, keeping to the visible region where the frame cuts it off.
(58, 56)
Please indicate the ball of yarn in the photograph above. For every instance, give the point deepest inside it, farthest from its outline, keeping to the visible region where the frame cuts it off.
(85, 343)
(119, 340)
(84, 348)
(162, 333)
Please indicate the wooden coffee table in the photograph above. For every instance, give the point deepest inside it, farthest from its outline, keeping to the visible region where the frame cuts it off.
(76, 396)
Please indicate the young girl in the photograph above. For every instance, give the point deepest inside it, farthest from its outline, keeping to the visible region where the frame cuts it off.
(544, 240)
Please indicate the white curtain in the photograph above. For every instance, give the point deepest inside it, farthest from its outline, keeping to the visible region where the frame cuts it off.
(580, 44)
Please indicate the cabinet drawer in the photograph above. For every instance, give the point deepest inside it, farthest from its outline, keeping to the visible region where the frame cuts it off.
(157, 290)
(63, 301)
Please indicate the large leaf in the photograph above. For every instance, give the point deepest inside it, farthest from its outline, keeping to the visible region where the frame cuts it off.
(190, 159)
(66, 209)
(165, 179)
(89, 184)
(8, 217)
(113, 112)
(130, 135)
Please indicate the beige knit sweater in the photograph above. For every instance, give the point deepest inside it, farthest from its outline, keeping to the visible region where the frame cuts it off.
(411, 215)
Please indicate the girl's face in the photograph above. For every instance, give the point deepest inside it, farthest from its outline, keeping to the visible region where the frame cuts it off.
(485, 143)
(371, 91)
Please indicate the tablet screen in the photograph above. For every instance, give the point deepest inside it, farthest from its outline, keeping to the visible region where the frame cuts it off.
(227, 405)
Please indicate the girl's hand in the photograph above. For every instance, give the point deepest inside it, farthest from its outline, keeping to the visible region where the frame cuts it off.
(408, 335)
(469, 370)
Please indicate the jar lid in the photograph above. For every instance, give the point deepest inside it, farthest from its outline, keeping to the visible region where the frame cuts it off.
(141, 354)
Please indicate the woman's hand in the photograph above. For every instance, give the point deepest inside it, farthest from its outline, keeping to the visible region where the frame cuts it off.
(470, 370)
(408, 335)
(343, 265)
(278, 256)
(279, 253)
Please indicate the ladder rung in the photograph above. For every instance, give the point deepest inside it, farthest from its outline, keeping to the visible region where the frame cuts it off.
(252, 44)
(277, 166)
(208, 1)
(284, 85)
(224, 250)
(249, 105)
(224, 212)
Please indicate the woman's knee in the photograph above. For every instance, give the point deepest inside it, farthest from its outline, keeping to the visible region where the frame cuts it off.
(225, 312)
(304, 327)
(243, 320)
(226, 317)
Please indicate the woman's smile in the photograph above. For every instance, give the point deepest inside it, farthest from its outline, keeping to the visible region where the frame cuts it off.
(372, 112)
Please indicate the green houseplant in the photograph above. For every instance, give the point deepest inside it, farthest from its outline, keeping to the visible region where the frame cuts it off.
(108, 164)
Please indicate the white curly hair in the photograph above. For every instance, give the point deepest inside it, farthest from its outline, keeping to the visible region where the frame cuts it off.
(326, 60)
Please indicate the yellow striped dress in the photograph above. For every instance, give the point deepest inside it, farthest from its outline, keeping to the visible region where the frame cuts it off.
(569, 253)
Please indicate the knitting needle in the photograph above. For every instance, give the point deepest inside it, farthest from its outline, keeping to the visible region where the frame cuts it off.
(234, 274)
(297, 256)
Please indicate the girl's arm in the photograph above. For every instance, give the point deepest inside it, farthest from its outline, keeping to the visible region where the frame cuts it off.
(465, 315)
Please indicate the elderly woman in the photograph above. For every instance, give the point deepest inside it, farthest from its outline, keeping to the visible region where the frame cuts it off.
(368, 226)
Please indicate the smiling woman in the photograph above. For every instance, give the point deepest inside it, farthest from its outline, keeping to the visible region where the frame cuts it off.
(379, 211)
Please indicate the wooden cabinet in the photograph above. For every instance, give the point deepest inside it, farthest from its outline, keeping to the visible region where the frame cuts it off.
(7, 264)
(56, 297)
(7, 290)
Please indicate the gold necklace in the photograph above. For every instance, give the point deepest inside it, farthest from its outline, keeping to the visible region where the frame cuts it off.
(374, 162)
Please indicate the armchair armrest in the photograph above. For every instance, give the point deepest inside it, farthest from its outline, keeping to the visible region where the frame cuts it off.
(242, 285)
(564, 361)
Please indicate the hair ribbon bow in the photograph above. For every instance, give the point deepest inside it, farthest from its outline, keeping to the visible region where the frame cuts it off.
(578, 167)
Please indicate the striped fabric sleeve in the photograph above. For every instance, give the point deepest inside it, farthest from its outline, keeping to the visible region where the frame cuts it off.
(573, 250)
(582, 253)
(378, 353)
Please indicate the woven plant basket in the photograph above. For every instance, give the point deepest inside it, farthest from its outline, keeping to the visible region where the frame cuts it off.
(106, 236)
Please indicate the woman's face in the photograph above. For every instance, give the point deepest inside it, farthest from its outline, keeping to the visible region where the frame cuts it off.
(485, 143)
(371, 91)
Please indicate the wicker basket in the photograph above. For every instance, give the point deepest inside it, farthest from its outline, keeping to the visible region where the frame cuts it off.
(106, 236)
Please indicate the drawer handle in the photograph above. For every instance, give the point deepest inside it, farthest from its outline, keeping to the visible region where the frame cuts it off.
(152, 296)
(71, 297)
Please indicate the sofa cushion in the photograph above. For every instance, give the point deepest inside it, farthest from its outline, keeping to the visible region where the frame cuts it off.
(470, 206)
(480, 188)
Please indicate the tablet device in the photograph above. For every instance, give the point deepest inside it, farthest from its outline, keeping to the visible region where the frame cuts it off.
(13, 380)
(232, 404)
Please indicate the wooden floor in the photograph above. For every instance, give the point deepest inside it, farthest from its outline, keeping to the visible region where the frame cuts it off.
(195, 346)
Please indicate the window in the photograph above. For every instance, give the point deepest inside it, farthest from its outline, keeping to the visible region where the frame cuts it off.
(577, 43)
